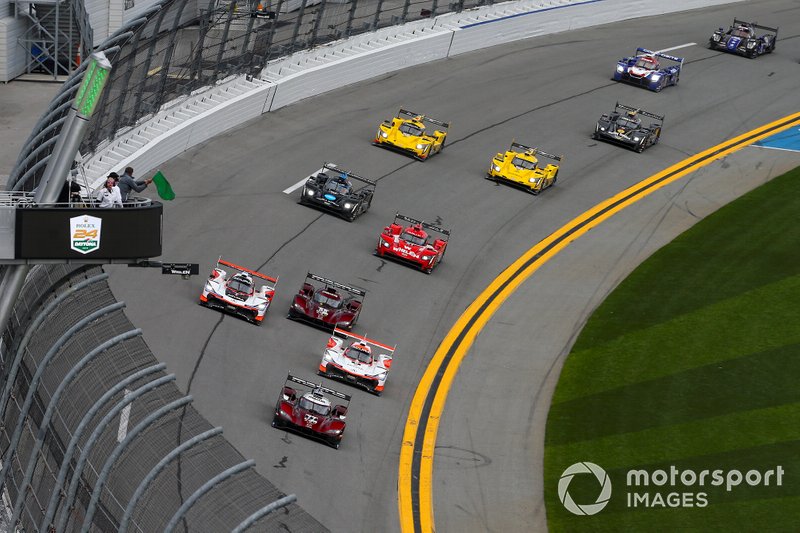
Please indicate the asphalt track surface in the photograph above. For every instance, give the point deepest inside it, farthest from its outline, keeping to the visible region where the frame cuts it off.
(547, 91)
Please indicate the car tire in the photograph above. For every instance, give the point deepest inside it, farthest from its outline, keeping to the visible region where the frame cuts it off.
(555, 178)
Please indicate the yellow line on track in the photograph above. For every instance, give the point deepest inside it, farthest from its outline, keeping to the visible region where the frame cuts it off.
(415, 476)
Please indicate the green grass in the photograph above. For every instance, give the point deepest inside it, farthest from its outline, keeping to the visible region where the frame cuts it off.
(693, 361)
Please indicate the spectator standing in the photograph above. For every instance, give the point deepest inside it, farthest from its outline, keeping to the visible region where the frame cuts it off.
(109, 195)
(128, 183)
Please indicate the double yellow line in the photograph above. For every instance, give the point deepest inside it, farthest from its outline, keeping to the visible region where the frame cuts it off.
(414, 491)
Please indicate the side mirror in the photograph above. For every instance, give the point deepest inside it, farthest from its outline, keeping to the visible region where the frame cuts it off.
(387, 362)
(439, 244)
(288, 394)
(340, 412)
(307, 289)
(354, 305)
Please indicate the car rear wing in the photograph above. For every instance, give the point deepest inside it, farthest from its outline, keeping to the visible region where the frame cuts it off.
(419, 116)
(317, 387)
(347, 173)
(533, 151)
(639, 111)
(424, 224)
(754, 25)
(645, 51)
(221, 261)
(349, 335)
(358, 291)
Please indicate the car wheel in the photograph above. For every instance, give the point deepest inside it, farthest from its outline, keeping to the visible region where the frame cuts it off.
(555, 178)
(274, 424)
(377, 392)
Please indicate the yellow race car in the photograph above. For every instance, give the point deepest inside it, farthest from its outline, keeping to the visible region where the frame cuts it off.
(519, 167)
(406, 133)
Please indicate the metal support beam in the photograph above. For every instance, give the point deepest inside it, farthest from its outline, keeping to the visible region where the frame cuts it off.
(156, 470)
(51, 407)
(63, 516)
(112, 458)
(37, 377)
(317, 21)
(207, 486)
(296, 31)
(57, 492)
(264, 511)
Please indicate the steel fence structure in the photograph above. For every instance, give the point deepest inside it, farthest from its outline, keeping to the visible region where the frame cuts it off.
(180, 46)
(95, 434)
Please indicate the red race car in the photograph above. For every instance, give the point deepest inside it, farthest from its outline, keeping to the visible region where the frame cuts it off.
(412, 244)
(328, 305)
(311, 413)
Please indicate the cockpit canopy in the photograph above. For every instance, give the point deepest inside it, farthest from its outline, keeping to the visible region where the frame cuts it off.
(360, 352)
(315, 403)
(409, 128)
(415, 235)
(328, 297)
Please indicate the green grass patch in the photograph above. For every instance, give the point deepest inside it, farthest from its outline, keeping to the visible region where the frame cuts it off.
(692, 362)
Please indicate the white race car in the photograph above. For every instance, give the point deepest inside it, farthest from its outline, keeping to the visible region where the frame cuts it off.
(361, 361)
(236, 294)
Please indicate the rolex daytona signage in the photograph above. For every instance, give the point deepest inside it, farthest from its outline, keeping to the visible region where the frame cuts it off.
(88, 234)
(84, 233)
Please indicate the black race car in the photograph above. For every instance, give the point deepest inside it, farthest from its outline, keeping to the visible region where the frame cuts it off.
(330, 188)
(627, 128)
(741, 39)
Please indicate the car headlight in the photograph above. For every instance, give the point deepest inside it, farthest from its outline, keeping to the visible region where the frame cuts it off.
(655, 77)
(384, 134)
(636, 138)
(751, 44)
(716, 37)
(602, 128)
(620, 68)
(385, 244)
(327, 356)
(297, 306)
(496, 168)
(348, 205)
(426, 257)
(534, 180)
(284, 414)
(308, 192)
(381, 376)
(333, 431)
(421, 146)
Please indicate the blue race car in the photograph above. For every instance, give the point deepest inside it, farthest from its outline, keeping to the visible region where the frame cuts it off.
(646, 70)
(741, 38)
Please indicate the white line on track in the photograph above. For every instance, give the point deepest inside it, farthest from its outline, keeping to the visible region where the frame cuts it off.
(676, 47)
(296, 186)
(300, 183)
(773, 148)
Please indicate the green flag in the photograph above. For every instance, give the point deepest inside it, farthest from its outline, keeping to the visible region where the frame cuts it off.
(164, 188)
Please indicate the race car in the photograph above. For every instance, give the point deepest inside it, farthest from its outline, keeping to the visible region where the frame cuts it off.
(411, 244)
(310, 413)
(330, 188)
(646, 70)
(363, 362)
(236, 293)
(518, 167)
(627, 128)
(741, 39)
(406, 133)
(329, 305)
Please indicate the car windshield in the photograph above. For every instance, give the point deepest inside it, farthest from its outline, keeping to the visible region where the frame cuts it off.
(741, 32)
(359, 355)
(329, 299)
(310, 405)
(523, 163)
(626, 123)
(240, 286)
(646, 62)
(410, 129)
(414, 239)
(338, 186)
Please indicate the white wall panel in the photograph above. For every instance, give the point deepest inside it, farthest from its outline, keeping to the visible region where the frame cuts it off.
(360, 67)
(12, 55)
